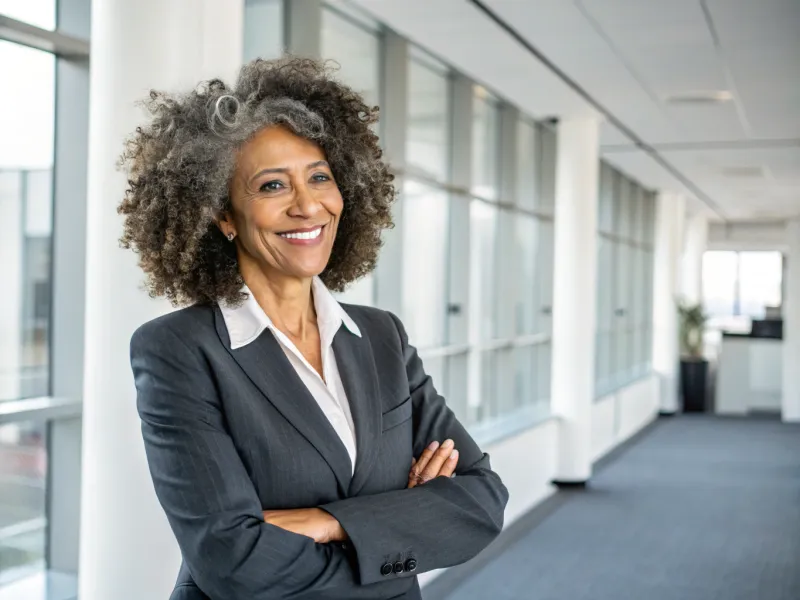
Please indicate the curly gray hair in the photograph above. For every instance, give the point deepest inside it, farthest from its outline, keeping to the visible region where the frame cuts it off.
(180, 164)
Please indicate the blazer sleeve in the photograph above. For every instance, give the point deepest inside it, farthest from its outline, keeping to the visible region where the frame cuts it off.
(209, 499)
(444, 522)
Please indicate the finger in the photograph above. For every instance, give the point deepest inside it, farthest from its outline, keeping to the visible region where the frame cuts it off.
(437, 461)
(417, 468)
(449, 466)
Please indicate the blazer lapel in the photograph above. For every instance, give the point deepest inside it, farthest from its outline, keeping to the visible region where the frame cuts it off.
(356, 366)
(266, 365)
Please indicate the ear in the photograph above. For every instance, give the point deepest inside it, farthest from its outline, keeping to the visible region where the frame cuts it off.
(224, 221)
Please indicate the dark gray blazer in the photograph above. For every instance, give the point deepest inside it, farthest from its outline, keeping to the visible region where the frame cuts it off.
(230, 433)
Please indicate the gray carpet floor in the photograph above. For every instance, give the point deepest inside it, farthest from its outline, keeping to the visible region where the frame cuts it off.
(700, 508)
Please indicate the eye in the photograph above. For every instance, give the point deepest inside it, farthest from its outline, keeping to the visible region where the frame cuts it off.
(320, 177)
(271, 186)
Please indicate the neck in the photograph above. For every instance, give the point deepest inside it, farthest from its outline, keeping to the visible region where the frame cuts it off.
(286, 300)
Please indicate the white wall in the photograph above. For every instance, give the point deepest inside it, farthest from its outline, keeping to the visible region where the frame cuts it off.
(618, 416)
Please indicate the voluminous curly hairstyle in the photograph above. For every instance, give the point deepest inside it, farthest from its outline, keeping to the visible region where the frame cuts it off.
(180, 164)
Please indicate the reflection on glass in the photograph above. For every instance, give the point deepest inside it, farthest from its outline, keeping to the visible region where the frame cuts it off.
(26, 158)
(263, 29)
(485, 145)
(23, 470)
(357, 50)
(425, 244)
(427, 141)
(41, 13)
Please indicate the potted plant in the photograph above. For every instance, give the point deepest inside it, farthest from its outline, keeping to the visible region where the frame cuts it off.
(694, 367)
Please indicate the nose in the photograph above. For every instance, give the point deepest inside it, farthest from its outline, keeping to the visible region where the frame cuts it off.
(305, 205)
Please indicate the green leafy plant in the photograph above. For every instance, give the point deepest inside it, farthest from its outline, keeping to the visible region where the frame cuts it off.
(693, 323)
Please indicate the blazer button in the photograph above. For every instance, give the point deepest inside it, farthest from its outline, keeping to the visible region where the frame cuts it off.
(411, 564)
(398, 567)
(386, 569)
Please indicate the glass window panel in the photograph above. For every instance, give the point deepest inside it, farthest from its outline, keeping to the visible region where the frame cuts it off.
(719, 283)
(485, 145)
(23, 476)
(425, 246)
(525, 376)
(456, 389)
(41, 13)
(527, 164)
(26, 161)
(504, 390)
(544, 280)
(263, 29)
(488, 408)
(357, 50)
(547, 169)
(605, 217)
(622, 213)
(526, 278)
(760, 280)
(544, 353)
(483, 280)
(428, 133)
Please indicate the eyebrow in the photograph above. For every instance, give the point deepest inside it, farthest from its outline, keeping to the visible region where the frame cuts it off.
(319, 163)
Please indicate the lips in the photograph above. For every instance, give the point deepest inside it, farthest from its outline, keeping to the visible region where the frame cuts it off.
(304, 236)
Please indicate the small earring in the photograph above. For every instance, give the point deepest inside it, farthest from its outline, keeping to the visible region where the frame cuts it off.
(230, 237)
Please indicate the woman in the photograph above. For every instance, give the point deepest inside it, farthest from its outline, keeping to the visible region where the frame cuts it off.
(280, 426)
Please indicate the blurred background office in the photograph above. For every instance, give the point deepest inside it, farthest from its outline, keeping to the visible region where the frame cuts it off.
(571, 172)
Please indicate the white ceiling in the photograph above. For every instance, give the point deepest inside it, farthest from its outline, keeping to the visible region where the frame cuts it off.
(630, 55)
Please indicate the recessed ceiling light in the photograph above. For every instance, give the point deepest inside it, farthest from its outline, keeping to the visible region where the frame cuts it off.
(743, 171)
(701, 97)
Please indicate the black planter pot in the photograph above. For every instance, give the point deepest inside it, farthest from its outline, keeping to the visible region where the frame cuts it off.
(694, 373)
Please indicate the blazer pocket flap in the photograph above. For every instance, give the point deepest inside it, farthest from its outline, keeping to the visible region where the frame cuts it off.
(397, 415)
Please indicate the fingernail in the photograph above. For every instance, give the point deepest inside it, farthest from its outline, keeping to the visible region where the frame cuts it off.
(448, 444)
(454, 455)
(433, 446)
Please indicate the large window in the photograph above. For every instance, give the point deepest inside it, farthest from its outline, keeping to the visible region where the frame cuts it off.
(626, 218)
(354, 41)
(740, 286)
(26, 192)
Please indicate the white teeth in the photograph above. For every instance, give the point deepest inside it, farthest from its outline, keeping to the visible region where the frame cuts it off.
(306, 235)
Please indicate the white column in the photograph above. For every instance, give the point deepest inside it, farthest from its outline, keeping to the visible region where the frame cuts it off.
(574, 295)
(790, 403)
(127, 549)
(670, 211)
(695, 243)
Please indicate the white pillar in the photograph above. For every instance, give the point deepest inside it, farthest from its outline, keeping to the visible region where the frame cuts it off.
(11, 246)
(790, 403)
(127, 549)
(670, 210)
(695, 243)
(574, 295)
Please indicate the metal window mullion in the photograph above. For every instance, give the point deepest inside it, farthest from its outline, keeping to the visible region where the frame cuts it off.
(57, 42)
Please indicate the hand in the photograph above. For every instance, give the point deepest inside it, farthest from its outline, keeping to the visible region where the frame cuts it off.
(435, 461)
(315, 523)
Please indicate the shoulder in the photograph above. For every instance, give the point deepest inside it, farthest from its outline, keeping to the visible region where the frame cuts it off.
(186, 326)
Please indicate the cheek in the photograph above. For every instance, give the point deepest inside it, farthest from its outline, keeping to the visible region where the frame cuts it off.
(263, 217)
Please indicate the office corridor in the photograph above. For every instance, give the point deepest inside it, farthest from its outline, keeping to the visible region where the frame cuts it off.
(700, 508)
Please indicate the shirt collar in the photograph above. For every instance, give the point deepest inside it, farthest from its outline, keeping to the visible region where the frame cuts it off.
(248, 320)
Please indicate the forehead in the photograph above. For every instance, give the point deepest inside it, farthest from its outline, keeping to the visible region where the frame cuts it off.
(277, 146)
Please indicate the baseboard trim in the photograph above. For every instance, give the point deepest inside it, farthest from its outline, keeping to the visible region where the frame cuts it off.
(666, 413)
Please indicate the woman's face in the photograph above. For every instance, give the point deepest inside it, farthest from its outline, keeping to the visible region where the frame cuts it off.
(286, 204)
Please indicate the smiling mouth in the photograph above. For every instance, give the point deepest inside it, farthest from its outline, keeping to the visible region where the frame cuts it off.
(303, 234)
